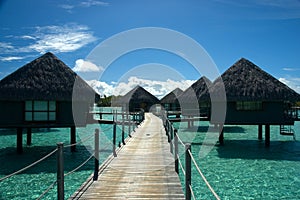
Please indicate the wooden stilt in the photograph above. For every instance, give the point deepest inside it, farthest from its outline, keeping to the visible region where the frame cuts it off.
(19, 140)
(221, 136)
(29, 131)
(260, 132)
(267, 135)
(73, 138)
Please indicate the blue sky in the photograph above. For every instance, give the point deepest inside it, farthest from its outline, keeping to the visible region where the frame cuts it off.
(264, 31)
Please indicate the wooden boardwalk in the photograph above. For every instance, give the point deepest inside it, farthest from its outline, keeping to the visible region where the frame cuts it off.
(143, 169)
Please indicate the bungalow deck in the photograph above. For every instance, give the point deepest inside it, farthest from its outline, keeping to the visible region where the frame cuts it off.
(143, 169)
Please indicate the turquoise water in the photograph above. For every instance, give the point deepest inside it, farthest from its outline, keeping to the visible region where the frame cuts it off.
(31, 183)
(240, 169)
(243, 168)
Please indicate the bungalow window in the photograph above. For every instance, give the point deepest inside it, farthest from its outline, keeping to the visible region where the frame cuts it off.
(167, 106)
(40, 111)
(249, 105)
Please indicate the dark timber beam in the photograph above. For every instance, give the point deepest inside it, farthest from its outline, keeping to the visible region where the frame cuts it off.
(267, 135)
(260, 132)
(221, 132)
(29, 131)
(19, 140)
(73, 138)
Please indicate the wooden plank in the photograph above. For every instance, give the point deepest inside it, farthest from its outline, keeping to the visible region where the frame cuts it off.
(143, 168)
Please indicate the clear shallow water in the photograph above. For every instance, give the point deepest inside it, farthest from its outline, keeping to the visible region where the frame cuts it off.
(243, 168)
(31, 183)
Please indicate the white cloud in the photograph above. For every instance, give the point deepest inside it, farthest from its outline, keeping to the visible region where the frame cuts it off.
(11, 58)
(280, 3)
(83, 4)
(101, 88)
(66, 6)
(65, 38)
(6, 47)
(292, 82)
(157, 88)
(86, 66)
(293, 4)
(28, 37)
(290, 69)
(90, 3)
(271, 9)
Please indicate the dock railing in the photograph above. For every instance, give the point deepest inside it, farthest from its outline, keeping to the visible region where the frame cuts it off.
(59, 150)
(174, 141)
(60, 169)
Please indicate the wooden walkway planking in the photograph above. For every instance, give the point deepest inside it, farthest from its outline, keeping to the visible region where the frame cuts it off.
(143, 169)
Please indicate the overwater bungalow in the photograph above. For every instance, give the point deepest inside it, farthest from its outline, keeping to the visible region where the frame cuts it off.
(44, 93)
(137, 99)
(255, 97)
(191, 100)
(170, 101)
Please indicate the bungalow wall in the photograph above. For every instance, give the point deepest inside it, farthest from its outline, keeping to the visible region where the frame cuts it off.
(271, 113)
(69, 113)
(134, 106)
(13, 115)
(171, 106)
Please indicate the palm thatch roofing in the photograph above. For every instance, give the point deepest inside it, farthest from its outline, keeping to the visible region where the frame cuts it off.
(139, 94)
(195, 91)
(172, 96)
(137, 98)
(45, 78)
(244, 81)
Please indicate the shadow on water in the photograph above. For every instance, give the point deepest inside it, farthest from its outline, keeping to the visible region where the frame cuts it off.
(253, 149)
(204, 129)
(13, 131)
(11, 161)
(195, 129)
(234, 129)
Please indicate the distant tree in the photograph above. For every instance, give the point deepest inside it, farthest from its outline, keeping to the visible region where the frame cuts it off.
(104, 101)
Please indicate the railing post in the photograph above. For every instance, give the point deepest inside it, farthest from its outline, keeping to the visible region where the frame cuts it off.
(114, 138)
(187, 172)
(176, 151)
(171, 139)
(129, 125)
(168, 130)
(96, 170)
(60, 171)
(123, 129)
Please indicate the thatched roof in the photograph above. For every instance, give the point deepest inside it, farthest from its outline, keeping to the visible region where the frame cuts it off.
(172, 96)
(244, 81)
(45, 78)
(195, 90)
(139, 94)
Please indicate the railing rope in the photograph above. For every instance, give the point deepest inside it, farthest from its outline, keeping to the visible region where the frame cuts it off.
(29, 166)
(81, 141)
(47, 190)
(203, 177)
(79, 166)
(60, 158)
(188, 158)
